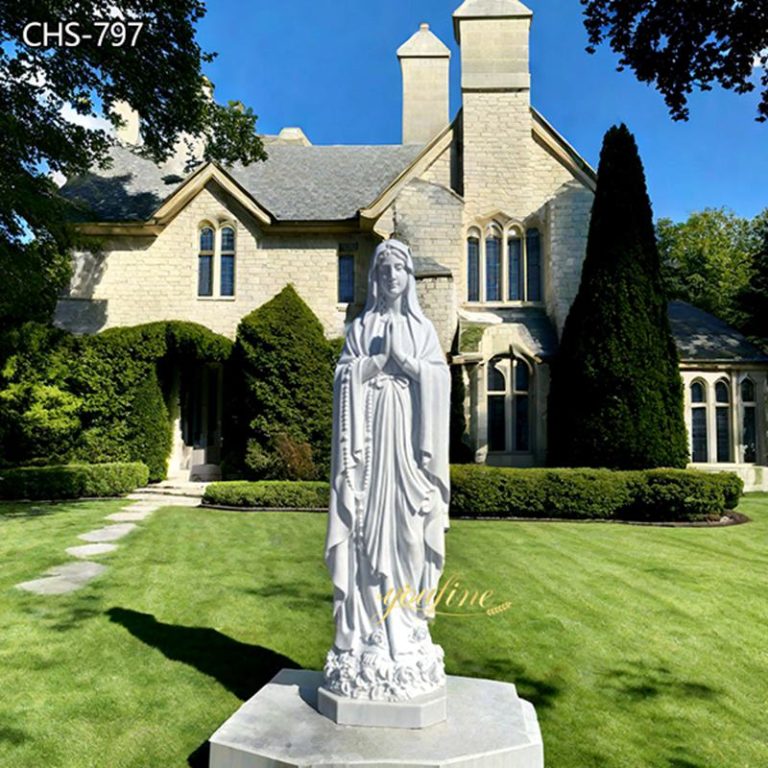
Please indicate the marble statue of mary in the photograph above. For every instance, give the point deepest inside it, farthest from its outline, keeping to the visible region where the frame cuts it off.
(389, 491)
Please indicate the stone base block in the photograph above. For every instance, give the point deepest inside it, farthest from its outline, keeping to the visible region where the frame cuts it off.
(419, 712)
(487, 726)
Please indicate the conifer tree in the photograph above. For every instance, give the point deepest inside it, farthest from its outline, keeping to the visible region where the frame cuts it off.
(280, 391)
(616, 396)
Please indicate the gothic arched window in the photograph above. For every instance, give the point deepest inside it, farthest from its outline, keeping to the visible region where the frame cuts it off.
(509, 404)
(699, 450)
(495, 276)
(205, 257)
(749, 421)
(723, 420)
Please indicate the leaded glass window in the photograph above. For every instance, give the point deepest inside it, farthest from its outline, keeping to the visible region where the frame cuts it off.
(497, 407)
(699, 446)
(205, 262)
(346, 292)
(723, 421)
(522, 406)
(493, 269)
(749, 420)
(227, 261)
(473, 269)
(533, 254)
(515, 268)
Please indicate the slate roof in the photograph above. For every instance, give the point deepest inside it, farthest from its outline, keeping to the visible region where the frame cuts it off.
(703, 337)
(296, 183)
(534, 328)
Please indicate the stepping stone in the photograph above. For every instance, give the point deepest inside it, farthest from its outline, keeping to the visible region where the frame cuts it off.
(91, 550)
(110, 533)
(141, 505)
(163, 500)
(127, 517)
(64, 578)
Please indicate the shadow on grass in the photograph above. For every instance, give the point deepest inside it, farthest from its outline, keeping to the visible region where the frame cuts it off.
(294, 596)
(12, 735)
(23, 510)
(241, 668)
(539, 691)
(638, 681)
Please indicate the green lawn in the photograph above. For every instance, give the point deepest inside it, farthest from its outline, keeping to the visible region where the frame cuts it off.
(639, 646)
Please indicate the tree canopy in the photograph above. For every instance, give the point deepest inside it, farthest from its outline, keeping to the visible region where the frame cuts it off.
(616, 396)
(160, 75)
(679, 45)
(707, 259)
(716, 260)
(752, 301)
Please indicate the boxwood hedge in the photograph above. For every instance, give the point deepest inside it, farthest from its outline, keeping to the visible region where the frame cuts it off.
(269, 494)
(70, 481)
(654, 495)
(479, 491)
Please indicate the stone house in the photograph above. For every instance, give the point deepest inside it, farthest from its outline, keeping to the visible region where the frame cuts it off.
(495, 205)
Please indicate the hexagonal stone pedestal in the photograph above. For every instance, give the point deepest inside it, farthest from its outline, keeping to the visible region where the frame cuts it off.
(419, 712)
(488, 726)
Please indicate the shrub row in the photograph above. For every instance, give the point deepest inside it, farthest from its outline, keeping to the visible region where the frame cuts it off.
(480, 491)
(71, 481)
(269, 494)
(652, 495)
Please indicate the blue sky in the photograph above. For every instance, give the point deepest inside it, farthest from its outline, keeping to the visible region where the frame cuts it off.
(329, 66)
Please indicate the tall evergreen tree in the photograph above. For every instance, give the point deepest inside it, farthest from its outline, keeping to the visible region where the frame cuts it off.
(616, 397)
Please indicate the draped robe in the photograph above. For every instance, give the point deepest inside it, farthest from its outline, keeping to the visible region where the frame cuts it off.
(390, 489)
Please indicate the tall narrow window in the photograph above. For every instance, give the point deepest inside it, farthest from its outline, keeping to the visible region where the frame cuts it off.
(749, 421)
(493, 265)
(533, 254)
(473, 269)
(522, 406)
(723, 421)
(698, 422)
(346, 278)
(205, 263)
(515, 267)
(227, 261)
(497, 410)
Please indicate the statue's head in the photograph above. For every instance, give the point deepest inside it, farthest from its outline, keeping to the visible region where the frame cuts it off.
(392, 275)
(392, 272)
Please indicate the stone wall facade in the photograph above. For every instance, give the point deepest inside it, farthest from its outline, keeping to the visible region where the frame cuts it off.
(139, 279)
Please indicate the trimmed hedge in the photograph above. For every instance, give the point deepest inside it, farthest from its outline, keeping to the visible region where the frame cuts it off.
(279, 394)
(71, 481)
(269, 494)
(653, 495)
(96, 399)
(662, 495)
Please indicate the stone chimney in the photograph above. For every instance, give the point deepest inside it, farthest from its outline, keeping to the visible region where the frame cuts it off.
(496, 107)
(129, 133)
(424, 60)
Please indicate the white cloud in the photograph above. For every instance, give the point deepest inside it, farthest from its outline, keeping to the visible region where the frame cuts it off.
(87, 121)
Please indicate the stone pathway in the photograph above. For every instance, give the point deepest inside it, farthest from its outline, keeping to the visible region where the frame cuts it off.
(73, 575)
(110, 533)
(63, 578)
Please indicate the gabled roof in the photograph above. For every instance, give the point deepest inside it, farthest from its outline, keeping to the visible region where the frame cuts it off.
(296, 183)
(701, 337)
